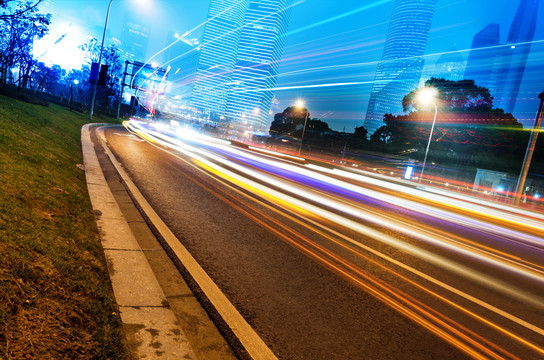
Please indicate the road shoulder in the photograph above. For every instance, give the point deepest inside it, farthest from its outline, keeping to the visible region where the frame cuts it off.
(151, 327)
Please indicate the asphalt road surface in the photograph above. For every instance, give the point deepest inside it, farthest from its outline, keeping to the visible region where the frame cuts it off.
(326, 263)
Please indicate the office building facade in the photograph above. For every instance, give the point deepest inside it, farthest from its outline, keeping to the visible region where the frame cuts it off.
(512, 58)
(257, 63)
(134, 37)
(399, 70)
(218, 51)
(482, 60)
(239, 59)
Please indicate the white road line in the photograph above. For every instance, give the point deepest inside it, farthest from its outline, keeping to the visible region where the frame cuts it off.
(249, 339)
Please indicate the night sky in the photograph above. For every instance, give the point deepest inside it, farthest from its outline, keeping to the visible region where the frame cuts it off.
(328, 42)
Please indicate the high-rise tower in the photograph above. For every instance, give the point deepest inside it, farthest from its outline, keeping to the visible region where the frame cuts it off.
(257, 63)
(399, 71)
(239, 59)
(513, 57)
(134, 37)
(483, 56)
(218, 51)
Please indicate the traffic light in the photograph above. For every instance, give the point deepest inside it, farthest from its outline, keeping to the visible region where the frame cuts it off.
(94, 73)
(103, 75)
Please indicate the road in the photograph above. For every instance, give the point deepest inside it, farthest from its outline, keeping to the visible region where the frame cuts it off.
(332, 263)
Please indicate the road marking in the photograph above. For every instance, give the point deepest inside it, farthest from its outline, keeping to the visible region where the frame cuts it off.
(431, 279)
(252, 343)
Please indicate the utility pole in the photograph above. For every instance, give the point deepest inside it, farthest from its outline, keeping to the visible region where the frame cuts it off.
(529, 153)
(95, 86)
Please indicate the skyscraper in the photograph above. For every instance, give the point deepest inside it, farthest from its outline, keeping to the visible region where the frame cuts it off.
(257, 63)
(482, 58)
(450, 66)
(135, 37)
(399, 71)
(513, 57)
(239, 60)
(218, 51)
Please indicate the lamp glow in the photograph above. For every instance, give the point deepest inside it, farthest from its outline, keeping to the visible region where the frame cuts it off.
(427, 96)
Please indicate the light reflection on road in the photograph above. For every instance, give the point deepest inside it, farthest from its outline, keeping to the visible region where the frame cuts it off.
(487, 234)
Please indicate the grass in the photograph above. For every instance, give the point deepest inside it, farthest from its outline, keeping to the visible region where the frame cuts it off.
(56, 300)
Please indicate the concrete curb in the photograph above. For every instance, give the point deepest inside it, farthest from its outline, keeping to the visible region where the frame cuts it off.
(253, 345)
(151, 327)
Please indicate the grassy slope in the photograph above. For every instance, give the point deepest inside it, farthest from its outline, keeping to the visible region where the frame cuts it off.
(55, 295)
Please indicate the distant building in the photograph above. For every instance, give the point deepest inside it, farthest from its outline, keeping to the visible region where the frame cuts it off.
(134, 38)
(449, 66)
(218, 51)
(239, 60)
(513, 57)
(399, 71)
(482, 58)
(257, 63)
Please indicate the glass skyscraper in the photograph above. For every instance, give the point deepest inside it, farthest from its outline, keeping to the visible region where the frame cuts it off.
(239, 60)
(513, 57)
(399, 71)
(482, 57)
(257, 63)
(218, 51)
(134, 37)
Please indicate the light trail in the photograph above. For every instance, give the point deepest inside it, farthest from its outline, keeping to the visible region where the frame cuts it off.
(365, 215)
(312, 204)
(341, 16)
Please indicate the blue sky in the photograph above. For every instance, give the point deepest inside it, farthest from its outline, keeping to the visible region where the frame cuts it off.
(342, 37)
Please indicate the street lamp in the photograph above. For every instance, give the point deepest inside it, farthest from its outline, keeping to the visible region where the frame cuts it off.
(75, 82)
(530, 151)
(300, 104)
(427, 96)
(95, 86)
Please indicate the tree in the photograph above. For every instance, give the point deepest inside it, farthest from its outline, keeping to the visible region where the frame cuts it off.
(21, 11)
(20, 27)
(466, 125)
(289, 122)
(108, 94)
(455, 96)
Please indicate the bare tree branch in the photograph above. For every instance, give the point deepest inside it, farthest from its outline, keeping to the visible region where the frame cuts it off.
(4, 4)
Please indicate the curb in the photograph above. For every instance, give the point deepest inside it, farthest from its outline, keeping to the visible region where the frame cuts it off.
(253, 347)
(151, 327)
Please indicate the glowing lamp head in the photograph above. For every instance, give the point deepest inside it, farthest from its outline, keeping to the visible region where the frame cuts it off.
(76, 81)
(299, 104)
(427, 96)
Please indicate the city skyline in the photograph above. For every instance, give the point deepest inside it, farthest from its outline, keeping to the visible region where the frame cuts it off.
(322, 48)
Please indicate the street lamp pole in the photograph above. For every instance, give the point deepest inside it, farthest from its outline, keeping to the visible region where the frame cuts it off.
(95, 86)
(529, 153)
(303, 131)
(428, 143)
